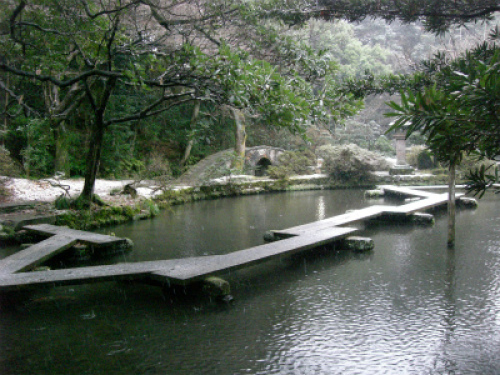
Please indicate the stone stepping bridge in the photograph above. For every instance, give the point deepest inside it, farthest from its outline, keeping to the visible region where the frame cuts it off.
(17, 271)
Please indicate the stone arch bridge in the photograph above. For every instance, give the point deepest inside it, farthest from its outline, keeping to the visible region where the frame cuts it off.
(261, 157)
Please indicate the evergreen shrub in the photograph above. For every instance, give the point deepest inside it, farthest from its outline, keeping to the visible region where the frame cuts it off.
(293, 163)
(350, 162)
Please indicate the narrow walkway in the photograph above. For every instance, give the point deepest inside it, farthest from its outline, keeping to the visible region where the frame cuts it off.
(14, 275)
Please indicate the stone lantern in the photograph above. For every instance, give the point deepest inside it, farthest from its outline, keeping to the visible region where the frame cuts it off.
(401, 166)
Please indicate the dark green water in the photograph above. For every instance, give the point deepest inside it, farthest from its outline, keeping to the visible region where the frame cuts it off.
(410, 307)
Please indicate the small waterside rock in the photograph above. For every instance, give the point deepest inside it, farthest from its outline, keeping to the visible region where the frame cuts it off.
(270, 237)
(216, 287)
(421, 218)
(374, 194)
(467, 202)
(358, 244)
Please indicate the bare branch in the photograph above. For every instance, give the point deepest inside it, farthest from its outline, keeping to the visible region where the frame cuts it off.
(57, 82)
(19, 99)
(150, 110)
(107, 12)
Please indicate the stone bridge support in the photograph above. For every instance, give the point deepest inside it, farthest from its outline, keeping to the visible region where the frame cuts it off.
(261, 157)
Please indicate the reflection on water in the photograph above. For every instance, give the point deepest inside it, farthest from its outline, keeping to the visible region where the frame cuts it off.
(320, 208)
(410, 307)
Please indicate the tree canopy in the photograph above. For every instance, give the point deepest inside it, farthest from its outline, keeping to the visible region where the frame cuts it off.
(124, 61)
(437, 15)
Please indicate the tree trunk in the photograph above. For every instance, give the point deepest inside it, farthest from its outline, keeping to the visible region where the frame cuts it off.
(6, 118)
(192, 125)
(61, 162)
(97, 129)
(27, 155)
(93, 160)
(187, 151)
(451, 206)
(241, 136)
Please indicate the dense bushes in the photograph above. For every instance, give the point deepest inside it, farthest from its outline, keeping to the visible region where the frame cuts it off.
(350, 162)
(421, 158)
(293, 163)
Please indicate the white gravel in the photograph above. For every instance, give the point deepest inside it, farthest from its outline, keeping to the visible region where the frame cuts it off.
(41, 190)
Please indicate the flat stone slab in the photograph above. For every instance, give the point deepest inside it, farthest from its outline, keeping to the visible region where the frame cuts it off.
(82, 275)
(420, 205)
(405, 191)
(344, 219)
(89, 237)
(243, 258)
(36, 254)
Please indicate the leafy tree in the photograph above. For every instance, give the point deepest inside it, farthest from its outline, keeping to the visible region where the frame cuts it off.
(152, 56)
(338, 42)
(459, 113)
(454, 103)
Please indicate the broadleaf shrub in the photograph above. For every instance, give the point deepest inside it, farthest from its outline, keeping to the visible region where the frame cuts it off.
(421, 158)
(8, 166)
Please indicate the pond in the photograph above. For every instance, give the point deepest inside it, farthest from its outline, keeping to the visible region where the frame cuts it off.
(410, 307)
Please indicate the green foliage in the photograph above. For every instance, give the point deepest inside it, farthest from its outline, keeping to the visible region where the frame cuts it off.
(152, 207)
(338, 43)
(482, 178)
(384, 145)
(350, 163)
(293, 163)
(83, 65)
(480, 173)
(39, 141)
(8, 166)
(62, 202)
(129, 168)
(95, 217)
